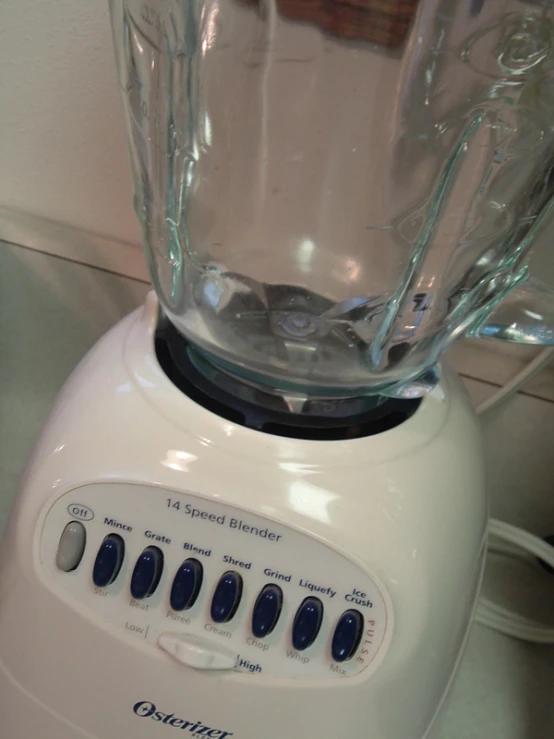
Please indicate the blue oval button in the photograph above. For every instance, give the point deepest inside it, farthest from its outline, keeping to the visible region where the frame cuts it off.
(186, 585)
(307, 623)
(227, 597)
(267, 611)
(108, 561)
(147, 573)
(347, 636)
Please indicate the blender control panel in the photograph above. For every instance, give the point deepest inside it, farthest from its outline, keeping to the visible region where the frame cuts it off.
(215, 587)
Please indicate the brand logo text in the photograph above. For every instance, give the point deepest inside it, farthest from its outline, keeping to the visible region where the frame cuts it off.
(147, 709)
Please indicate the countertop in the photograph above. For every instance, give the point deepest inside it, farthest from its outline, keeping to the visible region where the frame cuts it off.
(53, 310)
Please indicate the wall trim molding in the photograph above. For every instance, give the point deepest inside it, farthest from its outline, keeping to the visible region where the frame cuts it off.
(40, 234)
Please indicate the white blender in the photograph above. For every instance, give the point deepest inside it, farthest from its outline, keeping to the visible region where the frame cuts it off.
(258, 507)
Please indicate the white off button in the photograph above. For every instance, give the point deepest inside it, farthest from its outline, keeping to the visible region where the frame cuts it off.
(197, 652)
(71, 547)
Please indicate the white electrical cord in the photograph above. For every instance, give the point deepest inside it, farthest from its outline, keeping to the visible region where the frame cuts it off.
(532, 369)
(499, 618)
(513, 541)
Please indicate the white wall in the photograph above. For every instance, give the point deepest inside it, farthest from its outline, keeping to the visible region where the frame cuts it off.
(62, 147)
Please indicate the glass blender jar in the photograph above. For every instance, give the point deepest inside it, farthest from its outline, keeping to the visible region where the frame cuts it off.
(332, 193)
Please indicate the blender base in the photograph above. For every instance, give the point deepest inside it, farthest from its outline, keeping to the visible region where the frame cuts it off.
(391, 527)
